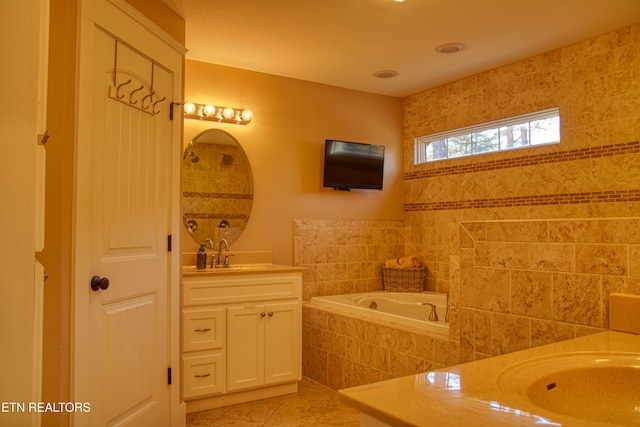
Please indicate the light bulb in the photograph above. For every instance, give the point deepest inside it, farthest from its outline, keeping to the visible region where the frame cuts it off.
(208, 110)
(246, 115)
(228, 113)
(189, 108)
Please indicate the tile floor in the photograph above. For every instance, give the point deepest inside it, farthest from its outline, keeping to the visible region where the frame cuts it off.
(313, 405)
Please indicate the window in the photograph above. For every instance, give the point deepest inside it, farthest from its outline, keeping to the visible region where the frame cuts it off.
(539, 128)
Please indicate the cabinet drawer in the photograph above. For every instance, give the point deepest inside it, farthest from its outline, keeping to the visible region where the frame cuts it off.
(203, 374)
(203, 329)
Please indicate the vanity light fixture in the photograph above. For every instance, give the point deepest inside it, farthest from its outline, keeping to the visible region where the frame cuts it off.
(216, 113)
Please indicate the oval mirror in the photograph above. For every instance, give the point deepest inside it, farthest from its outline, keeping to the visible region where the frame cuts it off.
(217, 187)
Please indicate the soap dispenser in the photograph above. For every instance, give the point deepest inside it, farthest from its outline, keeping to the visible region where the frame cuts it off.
(201, 258)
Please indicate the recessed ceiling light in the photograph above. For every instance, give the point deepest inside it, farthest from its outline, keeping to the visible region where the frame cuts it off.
(385, 74)
(450, 48)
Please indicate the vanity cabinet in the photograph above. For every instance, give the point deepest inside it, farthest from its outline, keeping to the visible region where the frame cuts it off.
(242, 336)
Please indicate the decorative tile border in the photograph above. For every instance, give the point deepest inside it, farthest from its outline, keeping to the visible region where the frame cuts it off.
(204, 195)
(632, 147)
(193, 215)
(620, 196)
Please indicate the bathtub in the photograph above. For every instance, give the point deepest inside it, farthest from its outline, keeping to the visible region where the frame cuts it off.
(404, 308)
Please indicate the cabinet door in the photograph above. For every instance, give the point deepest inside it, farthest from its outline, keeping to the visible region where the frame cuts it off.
(245, 346)
(203, 329)
(203, 374)
(282, 342)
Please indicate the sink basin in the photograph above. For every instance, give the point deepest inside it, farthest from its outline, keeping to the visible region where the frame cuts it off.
(606, 394)
(594, 386)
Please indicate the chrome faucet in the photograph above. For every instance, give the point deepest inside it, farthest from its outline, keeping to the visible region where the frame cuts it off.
(210, 243)
(226, 247)
(446, 315)
(433, 316)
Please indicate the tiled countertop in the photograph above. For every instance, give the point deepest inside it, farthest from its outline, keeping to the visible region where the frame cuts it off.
(468, 394)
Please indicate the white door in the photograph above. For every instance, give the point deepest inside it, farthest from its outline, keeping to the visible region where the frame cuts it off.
(122, 221)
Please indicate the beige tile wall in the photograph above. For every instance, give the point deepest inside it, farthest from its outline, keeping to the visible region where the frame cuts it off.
(527, 283)
(344, 256)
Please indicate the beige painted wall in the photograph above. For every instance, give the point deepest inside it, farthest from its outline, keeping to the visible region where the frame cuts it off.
(163, 16)
(285, 142)
(19, 80)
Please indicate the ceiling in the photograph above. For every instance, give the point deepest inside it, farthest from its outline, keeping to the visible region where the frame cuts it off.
(343, 42)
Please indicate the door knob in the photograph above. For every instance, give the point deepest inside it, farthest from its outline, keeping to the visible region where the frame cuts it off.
(98, 283)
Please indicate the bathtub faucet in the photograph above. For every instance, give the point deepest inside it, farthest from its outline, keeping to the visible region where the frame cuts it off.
(433, 316)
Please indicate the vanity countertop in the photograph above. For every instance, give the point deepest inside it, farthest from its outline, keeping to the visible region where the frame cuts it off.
(469, 394)
(243, 262)
(241, 269)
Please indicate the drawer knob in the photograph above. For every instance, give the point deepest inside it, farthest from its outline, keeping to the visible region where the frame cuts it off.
(271, 314)
(263, 314)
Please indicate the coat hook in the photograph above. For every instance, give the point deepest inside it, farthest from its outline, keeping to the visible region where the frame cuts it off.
(131, 101)
(156, 103)
(118, 89)
(145, 98)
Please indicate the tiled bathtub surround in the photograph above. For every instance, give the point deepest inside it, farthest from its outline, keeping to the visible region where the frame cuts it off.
(527, 283)
(341, 351)
(344, 256)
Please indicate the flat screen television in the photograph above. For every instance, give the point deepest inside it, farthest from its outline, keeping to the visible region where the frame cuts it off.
(349, 165)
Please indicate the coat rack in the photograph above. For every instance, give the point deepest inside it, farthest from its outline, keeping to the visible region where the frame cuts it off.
(131, 90)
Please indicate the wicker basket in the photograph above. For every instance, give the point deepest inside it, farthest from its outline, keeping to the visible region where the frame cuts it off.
(404, 279)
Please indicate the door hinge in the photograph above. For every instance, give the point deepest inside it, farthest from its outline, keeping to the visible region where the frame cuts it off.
(169, 243)
(173, 104)
(169, 375)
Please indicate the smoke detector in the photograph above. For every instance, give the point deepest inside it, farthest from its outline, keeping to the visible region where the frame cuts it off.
(450, 48)
(385, 74)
